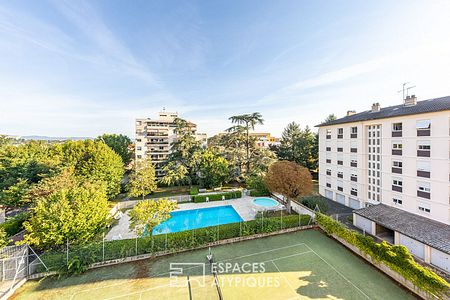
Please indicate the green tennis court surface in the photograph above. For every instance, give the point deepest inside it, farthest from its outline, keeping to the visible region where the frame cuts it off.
(301, 265)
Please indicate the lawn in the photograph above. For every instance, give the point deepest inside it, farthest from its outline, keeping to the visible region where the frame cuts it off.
(301, 265)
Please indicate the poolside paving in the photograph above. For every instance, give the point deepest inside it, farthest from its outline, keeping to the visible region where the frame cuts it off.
(244, 207)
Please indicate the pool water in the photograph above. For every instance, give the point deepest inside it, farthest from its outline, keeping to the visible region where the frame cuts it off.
(266, 202)
(198, 218)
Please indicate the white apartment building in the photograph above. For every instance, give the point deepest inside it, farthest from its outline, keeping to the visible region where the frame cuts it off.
(154, 138)
(392, 164)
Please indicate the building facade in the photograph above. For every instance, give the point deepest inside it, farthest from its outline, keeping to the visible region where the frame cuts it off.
(397, 156)
(154, 138)
(265, 140)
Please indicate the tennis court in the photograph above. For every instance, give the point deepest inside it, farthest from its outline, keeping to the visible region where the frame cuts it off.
(301, 265)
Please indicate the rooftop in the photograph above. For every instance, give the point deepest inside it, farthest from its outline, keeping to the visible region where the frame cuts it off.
(424, 106)
(427, 231)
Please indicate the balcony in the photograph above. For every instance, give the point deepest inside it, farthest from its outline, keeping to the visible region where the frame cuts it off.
(397, 133)
(397, 170)
(396, 152)
(397, 188)
(423, 132)
(353, 150)
(353, 135)
(423, 153)
(353, 164)
(425, 174)
(340, 188)
(354, 178)
(354, 193)
(423, 194)
(340, 136)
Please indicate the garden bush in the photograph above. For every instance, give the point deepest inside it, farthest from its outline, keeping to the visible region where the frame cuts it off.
(396, 257)
(56, 260)
(14, 225)
(193, 190)
(257, 193)
(217, 197)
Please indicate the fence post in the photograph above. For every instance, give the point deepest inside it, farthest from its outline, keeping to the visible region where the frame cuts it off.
(136, 245)
(103, 247)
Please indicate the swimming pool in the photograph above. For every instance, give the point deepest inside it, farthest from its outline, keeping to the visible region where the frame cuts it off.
(198, 218)
(266, 202)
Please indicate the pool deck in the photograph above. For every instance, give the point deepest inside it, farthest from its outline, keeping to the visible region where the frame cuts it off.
(244, 207)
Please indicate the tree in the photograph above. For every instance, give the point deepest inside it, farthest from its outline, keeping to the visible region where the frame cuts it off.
(211, 168)
(331, 117)
(93, 161)
(288, 179)
(179, 167)
(248, 121)
(298, 145)
(148, 213)
(119, 143)
(143, 178)
(4, 240)
(73, 214)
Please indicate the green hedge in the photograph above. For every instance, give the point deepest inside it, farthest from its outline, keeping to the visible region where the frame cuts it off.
(56, 259)
(217, 197)
(15, 224)
(256, 193)
(396, 257)
(193, 190)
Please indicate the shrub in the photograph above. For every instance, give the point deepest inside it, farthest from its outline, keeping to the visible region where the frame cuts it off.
(396, 257)
(217, 197)
(14, 225)
(193, 190)
(256, 193)
(314, 201)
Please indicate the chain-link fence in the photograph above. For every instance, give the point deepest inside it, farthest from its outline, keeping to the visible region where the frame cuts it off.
(103, 250)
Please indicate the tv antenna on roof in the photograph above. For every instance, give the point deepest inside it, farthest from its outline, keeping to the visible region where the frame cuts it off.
(405, 88)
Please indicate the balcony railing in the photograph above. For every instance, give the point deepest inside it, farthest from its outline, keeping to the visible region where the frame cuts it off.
(340, 149)
(397, 188)
(353, 164)
(354, 193)
(353, 135)
(340, 175)
(425, 174)
(423, 132)
(353, 150)
(340, 188)
(396, 152)
(353, 178)
(397, 133)
(423, 194)
(397, 170)
(423, 153)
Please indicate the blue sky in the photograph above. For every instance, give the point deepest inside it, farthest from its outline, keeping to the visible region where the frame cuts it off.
(82, 68)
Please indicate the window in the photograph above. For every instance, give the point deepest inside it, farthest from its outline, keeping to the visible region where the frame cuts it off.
(354, 191)
(328, 133)
(340, 185)
(139, 156)
(397, 127)
(139, 148)
(397, 182)
(423, 124)
(340, 134)
(397, 146)
(353, 162)
(138, 140)
(353, 132)
(423, 148)
(328, 183)
(328, 171)
(424, 187)
(397, 201)
(328, 148)
(424, 207)
(397, 164)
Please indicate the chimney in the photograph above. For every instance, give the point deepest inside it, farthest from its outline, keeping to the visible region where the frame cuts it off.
(410, 100)
(350, 113)
(376, 107)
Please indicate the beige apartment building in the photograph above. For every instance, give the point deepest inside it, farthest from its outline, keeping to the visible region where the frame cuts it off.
(392, 165)
(265, 140)
(154, 138)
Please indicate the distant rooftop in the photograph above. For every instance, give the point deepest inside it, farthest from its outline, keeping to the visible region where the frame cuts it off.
(427, 231)
(425, 106)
